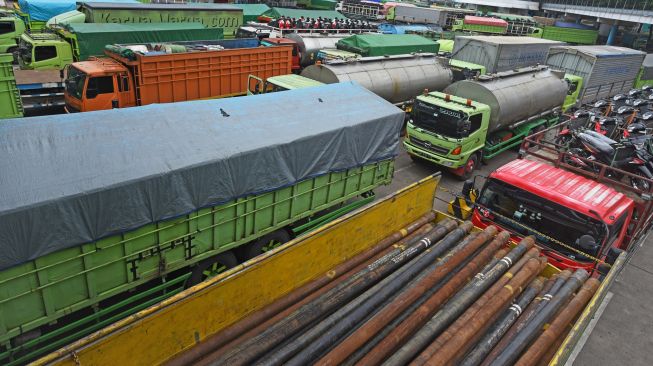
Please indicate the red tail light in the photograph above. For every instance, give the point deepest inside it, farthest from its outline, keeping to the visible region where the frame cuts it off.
(457, 150)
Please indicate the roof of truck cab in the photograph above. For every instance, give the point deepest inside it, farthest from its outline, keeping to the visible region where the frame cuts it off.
(103, 64)
(571, 190)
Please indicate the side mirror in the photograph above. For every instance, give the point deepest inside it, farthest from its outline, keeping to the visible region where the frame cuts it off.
(114, 104)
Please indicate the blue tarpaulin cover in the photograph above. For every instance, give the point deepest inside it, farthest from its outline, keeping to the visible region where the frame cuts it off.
(43, 10)
(80, 177)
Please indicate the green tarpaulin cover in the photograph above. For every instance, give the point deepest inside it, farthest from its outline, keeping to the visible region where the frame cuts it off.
(92, 37)
(252, 11)
(387, 44)
(297, 13)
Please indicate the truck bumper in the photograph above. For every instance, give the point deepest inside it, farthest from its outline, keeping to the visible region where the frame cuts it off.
(434, 158)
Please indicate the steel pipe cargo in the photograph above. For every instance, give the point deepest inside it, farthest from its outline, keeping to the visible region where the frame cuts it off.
(514, 96)
(397, 79)
(310, 44)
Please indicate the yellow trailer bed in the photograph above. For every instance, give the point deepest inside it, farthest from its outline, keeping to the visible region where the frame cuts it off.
(163, 331)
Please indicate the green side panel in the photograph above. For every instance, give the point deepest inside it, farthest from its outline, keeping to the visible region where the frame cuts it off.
(322, 4)
(41, 291)
(10, 102)
(92, 37)
(387, 44)
(484, 28)
(571, 35)
(228, 21)
(446, 45)
(297, 13)
(252, 11)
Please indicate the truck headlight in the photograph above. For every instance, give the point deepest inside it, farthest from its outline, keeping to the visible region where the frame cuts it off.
(447, 163)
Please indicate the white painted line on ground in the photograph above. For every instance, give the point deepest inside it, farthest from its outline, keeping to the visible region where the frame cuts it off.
(590, 327)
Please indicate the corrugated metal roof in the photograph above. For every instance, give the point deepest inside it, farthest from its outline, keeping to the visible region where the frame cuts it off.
(139, 6)
(297, 13)
(564, 187)
(511, 40)
(603, 51)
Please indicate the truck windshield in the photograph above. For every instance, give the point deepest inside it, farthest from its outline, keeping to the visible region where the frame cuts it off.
(439, 120)
(521, 211)
(75, 82)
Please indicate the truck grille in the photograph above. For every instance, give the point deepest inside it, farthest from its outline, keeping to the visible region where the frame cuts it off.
(428, 146)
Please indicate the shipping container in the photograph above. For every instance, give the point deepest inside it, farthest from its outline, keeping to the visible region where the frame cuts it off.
(411, 14)
(172, 72)
(502, 53)
(227, 17)
(121, 209)
(369, 45)
(10, 103)
(606, 70)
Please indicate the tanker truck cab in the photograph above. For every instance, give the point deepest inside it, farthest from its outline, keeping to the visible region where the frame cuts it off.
(575, 85)
(98, 84)
(576, 220)
(448, 130)
(42, 51)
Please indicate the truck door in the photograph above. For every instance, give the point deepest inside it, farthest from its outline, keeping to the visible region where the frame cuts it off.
(100, 93)
(127, 97)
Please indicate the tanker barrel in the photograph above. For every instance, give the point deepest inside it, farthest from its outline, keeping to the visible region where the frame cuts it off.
(514, 350)
(321, 337)
(255, 347)
(310, 44)
(416, 319)
(500, 327)
(397, 79)
(514, 96)
(412, 293)
(457, 305)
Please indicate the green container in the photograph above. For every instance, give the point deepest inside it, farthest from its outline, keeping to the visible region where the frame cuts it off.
(570, 35)
(251, 12)
(387, 44)
(10, 103)
(90, 38)
(44, 290)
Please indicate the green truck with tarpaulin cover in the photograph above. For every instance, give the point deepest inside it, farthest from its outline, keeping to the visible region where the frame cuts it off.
(10, 102)
(564, 34)
(104, 216)
(370, 45)
(224, 16)
(78, 41)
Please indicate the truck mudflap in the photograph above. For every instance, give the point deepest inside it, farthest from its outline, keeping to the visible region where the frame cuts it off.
(573, 343)
(182, 324)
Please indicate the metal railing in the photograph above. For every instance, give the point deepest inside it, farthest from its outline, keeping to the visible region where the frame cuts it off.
(629, 10)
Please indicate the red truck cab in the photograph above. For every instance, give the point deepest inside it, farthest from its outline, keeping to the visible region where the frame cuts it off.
(576, 220)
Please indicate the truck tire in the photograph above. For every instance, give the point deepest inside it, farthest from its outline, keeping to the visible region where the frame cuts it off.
(211, 267)
(470, 166)
(263, 244)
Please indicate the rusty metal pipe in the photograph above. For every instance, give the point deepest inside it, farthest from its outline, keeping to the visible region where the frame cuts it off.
(206, 358)
(559, 324)
(476, 325)
(462, 320)
(500, 327)
(231, 333)
(551, 287)
(403, 300)
(415, 320)
(457, 306)
(321, 337)
(253, 348)
(512, 352)
(381, 334)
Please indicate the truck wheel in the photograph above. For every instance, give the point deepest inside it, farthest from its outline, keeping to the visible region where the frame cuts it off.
(263, 244)
(211, 267)
(470, 166)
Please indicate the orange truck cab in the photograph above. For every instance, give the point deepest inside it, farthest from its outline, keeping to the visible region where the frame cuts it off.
(296, 55)
(171, 72)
